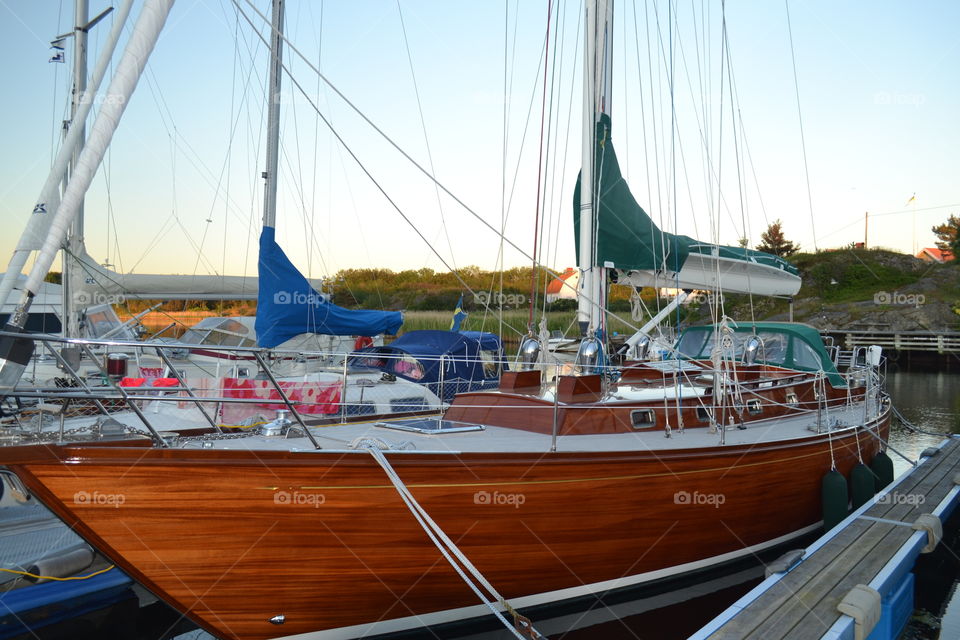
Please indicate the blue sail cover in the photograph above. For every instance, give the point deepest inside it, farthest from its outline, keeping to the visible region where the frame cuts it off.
(287, 305)
(470, 360)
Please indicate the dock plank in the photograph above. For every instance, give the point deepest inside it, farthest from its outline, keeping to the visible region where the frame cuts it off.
(803, 603)
(881, 553)
(795, 582)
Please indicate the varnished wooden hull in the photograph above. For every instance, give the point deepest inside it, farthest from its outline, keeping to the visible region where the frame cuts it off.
(233, 538)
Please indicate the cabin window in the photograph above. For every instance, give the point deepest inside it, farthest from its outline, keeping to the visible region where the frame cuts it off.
(703, 415)
(361, 409)
(401, 405)
(792, 399)
(490, 360)
(754, 406)
(692, 342)
(223, 339)
(804, 356)
(233, 327)
(408, 367)
(643, 418)
(374, 362)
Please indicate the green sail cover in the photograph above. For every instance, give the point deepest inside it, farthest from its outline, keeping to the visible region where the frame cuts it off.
(627, 237)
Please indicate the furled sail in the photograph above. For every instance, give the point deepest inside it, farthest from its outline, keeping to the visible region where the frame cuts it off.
(92, 283)
(627, 239)
(287, 305)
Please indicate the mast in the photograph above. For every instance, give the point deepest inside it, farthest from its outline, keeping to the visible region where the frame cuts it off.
(46, 205)
(597, 75)
(15, 352)
(74, 239)
(273, 118)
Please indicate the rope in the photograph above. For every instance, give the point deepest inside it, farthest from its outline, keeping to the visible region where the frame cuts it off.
(27, 574)
(450, 551)
(912, 427)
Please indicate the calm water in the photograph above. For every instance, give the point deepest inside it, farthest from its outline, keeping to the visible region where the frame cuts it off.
(930, 401)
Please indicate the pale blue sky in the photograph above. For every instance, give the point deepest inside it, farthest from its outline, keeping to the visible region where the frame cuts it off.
(879, 95)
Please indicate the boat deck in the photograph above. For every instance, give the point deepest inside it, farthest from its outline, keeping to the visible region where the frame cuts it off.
(455, 437)
(875, 546)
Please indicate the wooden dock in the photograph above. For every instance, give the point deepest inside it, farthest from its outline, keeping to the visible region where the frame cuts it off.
(941, 342)
(875, 547)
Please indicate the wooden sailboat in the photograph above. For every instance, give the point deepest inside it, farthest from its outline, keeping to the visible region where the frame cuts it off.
(542, 491)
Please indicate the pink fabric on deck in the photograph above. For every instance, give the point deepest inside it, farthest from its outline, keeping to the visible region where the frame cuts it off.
(316, 398)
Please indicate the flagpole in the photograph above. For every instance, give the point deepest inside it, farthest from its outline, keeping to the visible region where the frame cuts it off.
(913, 225)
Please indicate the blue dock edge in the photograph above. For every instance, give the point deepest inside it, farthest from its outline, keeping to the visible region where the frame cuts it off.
(28, 608)
(894, 582)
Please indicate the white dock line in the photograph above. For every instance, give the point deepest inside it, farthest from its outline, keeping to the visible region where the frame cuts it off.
(450, 551)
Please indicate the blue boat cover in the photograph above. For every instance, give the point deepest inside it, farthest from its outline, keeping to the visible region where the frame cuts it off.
(23, 611)
(287, 305)
(472, 360)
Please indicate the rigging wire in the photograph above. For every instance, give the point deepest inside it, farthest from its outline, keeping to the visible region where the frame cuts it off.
(540, 161)
(426, 138)
(505, 208)
(366, 172)
(380, 132)
(56, 126)
(234, 122)
(566, 138)
(653, 130)
(737, 151)
(803, 142)
(507, 93)
(316, 133)
(552, 240)
(392, 143)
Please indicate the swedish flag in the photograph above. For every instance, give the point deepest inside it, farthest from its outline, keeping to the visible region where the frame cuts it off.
(458, 315)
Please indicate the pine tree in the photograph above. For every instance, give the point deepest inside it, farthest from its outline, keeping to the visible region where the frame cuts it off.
(773, 241)
(948, 236)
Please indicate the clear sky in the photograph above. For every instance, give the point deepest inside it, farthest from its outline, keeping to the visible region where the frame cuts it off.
(181, 193)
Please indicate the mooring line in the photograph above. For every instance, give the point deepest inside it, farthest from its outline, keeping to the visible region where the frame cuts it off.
(450, 551)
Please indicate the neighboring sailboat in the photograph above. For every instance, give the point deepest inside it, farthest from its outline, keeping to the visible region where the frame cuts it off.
(293, 312)
(537, 493)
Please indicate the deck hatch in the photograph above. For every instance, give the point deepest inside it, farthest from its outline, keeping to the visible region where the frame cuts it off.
(429, 426)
